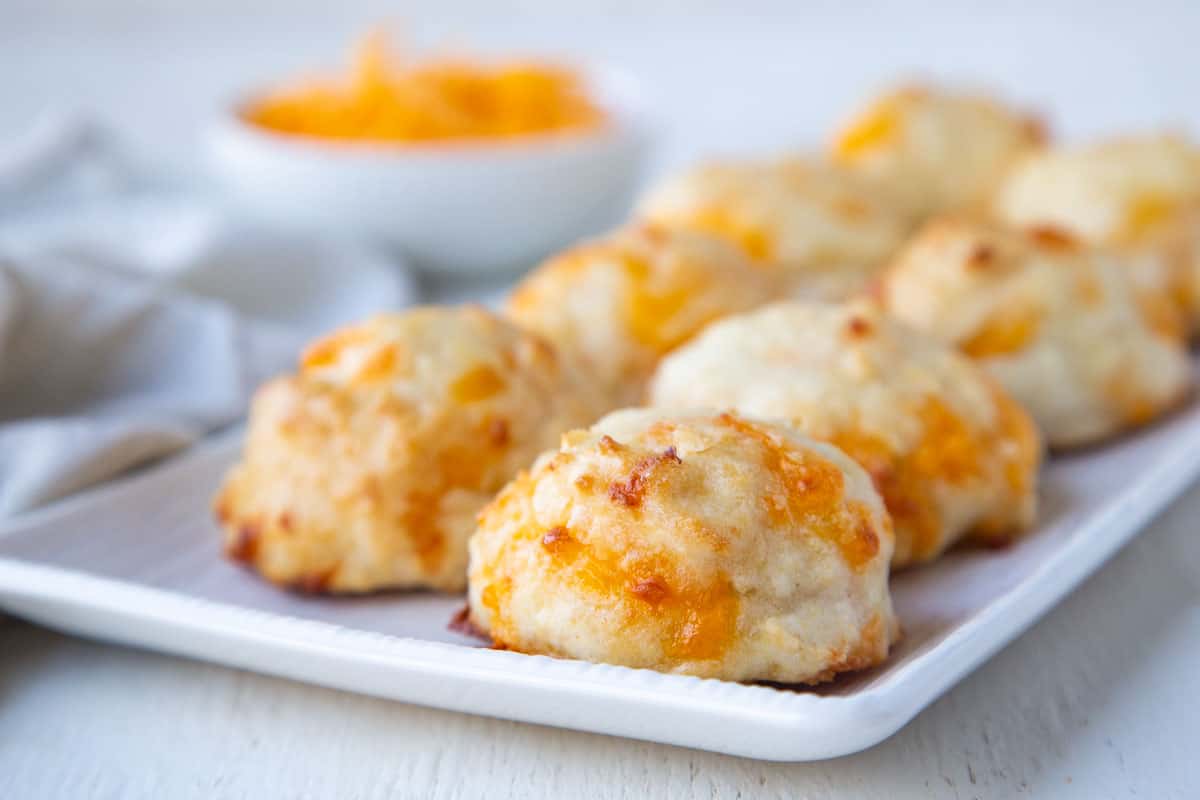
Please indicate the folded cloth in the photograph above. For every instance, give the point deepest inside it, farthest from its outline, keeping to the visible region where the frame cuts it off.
(136, 315)
(100, 371)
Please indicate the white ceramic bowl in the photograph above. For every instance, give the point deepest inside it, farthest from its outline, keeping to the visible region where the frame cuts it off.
(463, 208)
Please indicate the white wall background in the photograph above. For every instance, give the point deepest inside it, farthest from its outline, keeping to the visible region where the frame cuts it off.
(744, 76)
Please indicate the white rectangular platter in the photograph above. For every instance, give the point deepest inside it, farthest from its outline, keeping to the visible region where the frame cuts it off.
(138, 562)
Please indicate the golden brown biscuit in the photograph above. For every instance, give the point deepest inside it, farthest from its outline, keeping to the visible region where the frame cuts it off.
(939, 150)
(1064, 328)
(365, 470)
(697, 543)
(950, 452)
(1139, 194)
(824, 231)
(621, 302)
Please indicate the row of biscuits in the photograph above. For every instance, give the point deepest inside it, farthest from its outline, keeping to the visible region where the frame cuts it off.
(811, 372)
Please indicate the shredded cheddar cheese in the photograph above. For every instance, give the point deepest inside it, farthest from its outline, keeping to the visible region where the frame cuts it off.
(384, 100)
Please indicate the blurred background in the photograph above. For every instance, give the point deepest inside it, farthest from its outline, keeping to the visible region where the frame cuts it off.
(726, 77)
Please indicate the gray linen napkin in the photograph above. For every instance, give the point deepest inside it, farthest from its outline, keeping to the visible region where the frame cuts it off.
(101, 371)
(136, 315)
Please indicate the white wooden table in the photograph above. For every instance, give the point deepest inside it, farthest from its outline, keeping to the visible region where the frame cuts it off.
(1101, 699)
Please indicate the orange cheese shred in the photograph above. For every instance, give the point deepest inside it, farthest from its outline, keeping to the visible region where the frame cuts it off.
(443, 100)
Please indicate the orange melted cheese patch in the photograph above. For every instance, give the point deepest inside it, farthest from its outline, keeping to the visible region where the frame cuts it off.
(696, 619)
(383, 100)
(1051, 237)
(327, 351)
(1161, 313)
(378, 366)
(648, 312)
(494, 598)
(1147, 212)
(477, 383)
(806, 493)
(420, 520)
(1007, 332)
(876, 129)
(655, 306)
(1015, 427)
(754, 241)
(420, 513)
(905, 491)
(950, 451)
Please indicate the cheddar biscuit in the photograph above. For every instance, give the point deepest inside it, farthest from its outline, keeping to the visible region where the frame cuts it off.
(694, 542)
(1141, 195)
(365, 469)
(822, 231)
(622, 301)
(1066, 329)
(952, 454)
(939, 150)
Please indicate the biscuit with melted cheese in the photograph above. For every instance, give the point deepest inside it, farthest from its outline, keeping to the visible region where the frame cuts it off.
(952, 454)
(939, 150)
(822, 230)
(621, 302)
(695, 542)
(1065, 328)
(1138, 194)
(365, 469)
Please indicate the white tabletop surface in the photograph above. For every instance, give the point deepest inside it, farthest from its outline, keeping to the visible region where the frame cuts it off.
(1101, 699)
